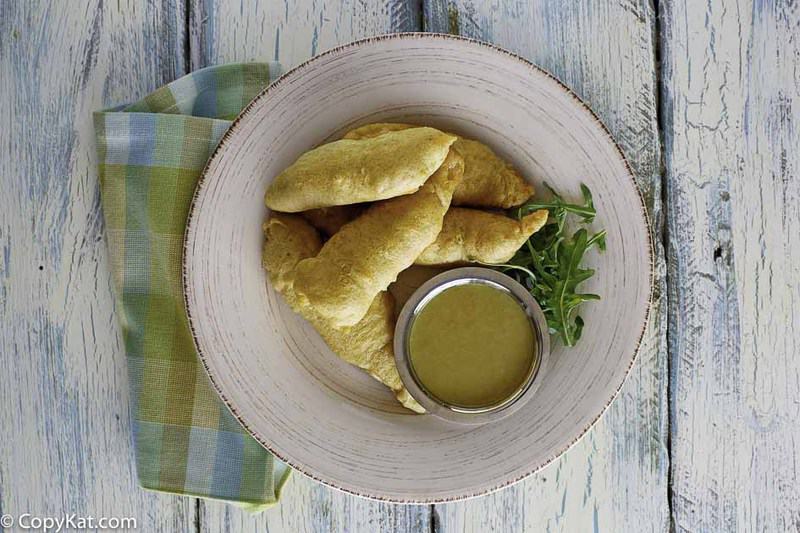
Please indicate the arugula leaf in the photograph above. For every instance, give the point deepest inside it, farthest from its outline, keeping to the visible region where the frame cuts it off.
(559, 208)
(549, 263)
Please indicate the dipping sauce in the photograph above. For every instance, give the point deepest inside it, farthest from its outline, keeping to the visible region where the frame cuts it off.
(472, 346)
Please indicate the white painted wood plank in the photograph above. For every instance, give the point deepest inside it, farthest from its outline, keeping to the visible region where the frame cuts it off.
(731, 103)
(67, 445)
(615, 479)
(291, 32)
(307, 506)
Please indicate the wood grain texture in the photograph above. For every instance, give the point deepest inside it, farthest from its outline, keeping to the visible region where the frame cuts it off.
(307, 506)
(67, 445)
(730, 105)
(731, 101)
(615, 478)
(291, 32)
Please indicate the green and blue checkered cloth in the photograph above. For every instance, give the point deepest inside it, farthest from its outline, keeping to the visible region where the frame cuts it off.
(150, 155)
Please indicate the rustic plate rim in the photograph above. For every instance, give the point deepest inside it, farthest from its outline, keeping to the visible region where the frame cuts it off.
(537, 70)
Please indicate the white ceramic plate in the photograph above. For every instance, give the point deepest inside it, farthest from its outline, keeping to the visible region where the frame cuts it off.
(330, 420)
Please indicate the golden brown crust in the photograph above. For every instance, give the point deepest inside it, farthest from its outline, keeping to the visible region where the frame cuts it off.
(472, 235)
(489, 181)
(329, 220)
(366, 255)
(353, 171)
(288, 240)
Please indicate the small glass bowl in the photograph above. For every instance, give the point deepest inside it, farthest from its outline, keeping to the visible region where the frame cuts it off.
(421, 297)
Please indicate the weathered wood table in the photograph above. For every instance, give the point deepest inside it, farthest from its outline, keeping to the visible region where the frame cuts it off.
(703, 97)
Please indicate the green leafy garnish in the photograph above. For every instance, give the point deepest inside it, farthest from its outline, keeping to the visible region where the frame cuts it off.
(549, 263)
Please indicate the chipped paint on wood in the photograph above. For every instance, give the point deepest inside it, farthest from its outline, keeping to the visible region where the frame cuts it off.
(729, 98)
(67, 445)
(731, 106)
(605, 53)
(291, 32)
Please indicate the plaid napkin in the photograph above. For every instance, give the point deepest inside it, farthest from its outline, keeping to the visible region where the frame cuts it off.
(150, 155)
